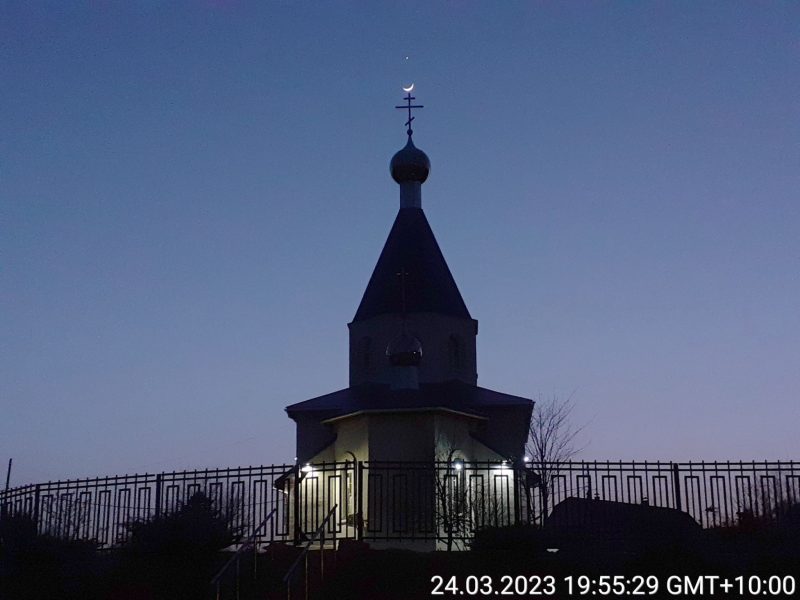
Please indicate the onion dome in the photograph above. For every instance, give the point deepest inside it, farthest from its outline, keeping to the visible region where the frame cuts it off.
(410, 164)
(404, 351)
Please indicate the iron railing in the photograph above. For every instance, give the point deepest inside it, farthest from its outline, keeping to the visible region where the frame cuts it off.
(101, 509)
(317, 536)
(442, 503)
(713, 493)
(235, 561)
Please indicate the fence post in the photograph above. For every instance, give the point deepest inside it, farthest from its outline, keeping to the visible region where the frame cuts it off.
(676, 486)
(360, 502)
(517, 490)
(36, 507)
(525, 487)
(297, 528)
(322, 553)
(158, 495)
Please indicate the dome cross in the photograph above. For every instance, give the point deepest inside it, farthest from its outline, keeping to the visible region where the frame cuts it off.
(408, 107)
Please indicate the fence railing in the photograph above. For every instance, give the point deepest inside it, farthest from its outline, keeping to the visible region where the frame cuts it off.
(101, 508)
(713, 493)
(443, 502)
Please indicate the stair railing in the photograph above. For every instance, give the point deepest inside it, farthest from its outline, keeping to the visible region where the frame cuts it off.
(320, 532)
(236, 558)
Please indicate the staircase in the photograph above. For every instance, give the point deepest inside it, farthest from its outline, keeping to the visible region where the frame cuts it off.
(277, 570)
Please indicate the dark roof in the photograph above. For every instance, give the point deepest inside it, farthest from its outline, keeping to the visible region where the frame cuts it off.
(454, 395)
(610, 520)
(430, 287)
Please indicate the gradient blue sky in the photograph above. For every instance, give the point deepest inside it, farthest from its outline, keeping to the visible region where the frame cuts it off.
(194, 195)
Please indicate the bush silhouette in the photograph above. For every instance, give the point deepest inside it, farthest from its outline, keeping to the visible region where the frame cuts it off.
(37, 566)
(174, 556)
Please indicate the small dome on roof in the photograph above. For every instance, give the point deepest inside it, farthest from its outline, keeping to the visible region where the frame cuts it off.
(404, 351)
(410, 164)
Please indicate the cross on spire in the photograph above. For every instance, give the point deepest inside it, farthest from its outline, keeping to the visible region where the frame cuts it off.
(408, 107)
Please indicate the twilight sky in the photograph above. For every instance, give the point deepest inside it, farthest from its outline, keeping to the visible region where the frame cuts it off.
(193, 196)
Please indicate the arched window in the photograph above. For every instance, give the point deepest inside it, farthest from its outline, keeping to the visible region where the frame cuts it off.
(455, 351)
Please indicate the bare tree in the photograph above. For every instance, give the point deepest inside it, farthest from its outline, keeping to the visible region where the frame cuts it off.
(551, 443)
(454, 513)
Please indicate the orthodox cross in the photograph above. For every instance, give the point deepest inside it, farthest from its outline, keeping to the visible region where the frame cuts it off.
(408, 107)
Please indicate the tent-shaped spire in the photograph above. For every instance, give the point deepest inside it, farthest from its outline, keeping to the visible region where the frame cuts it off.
(429, 286)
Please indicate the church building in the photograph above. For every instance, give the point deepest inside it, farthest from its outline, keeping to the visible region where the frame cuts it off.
(413, 392)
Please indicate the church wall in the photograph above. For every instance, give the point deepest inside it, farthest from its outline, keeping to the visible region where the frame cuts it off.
(454, 440)
(312, 437)
(394, 500)
(352, 436)
(416, 436)
(448, 347)
(401, 437)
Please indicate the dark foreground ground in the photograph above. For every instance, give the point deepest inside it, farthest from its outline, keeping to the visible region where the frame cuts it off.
(511, 562)
(497, 571)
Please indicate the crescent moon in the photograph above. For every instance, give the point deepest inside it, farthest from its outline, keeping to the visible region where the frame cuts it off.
(409, 88)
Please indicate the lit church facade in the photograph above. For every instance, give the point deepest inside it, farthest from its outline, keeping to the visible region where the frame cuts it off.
(413, 393)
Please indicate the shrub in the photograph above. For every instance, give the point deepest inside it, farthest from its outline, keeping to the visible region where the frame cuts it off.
(174, 556)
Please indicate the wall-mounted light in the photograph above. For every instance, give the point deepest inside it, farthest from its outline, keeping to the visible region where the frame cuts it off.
(459, 464)
(307, 468)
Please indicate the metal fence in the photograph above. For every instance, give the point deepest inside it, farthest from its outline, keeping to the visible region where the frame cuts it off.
(102, 508)
(442, 503)
(713, 493)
